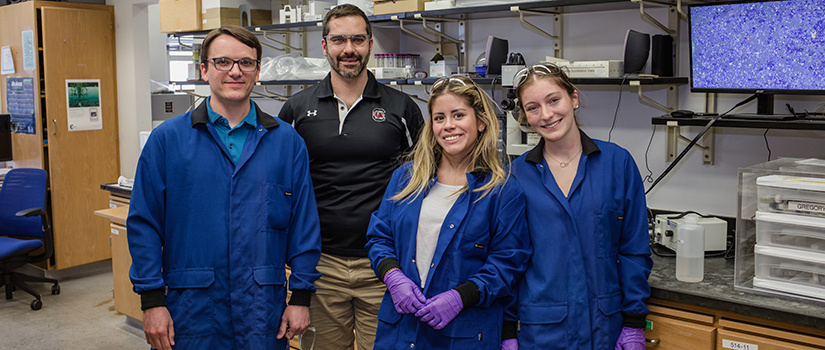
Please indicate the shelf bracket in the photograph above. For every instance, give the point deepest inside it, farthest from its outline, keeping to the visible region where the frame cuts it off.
(531, 25)
(672, 143)
(650, 101)
(285, 46)
(412, 33)
(274, 98)
(184, 45)
(651, 19)
(276, 95)
(435, 32)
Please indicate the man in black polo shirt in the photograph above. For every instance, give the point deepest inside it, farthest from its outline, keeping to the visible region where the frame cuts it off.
(356, 130)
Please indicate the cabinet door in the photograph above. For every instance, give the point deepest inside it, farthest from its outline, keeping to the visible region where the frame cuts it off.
(78, 43)
(127, 301)
(730, 339)
(677, 329)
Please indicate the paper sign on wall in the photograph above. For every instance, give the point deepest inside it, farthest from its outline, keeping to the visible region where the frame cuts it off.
(28, 50)
(6, 61)
(83, 103)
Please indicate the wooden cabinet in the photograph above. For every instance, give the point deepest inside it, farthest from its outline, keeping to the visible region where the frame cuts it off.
(683, 326)
(69, 41)
(679, 330)
(127, 301)
(744, 336)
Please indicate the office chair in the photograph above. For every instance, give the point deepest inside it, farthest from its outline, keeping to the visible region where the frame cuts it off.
(22, 232)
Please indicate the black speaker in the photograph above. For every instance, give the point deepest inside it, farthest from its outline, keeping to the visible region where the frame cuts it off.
(661, 56)
(636, 49)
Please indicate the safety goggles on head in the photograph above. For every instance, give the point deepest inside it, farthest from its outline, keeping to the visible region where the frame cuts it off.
(537, 69)
(455, 79)
(226, 64)
(341, 40)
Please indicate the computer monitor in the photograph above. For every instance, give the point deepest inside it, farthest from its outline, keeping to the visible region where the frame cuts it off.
(496, 54)
(5, 138)
(763, 47)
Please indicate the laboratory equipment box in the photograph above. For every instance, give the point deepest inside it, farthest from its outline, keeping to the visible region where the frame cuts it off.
(791, 194)
(790, 271)
(767, 219)
(790, 231)
(179, 15)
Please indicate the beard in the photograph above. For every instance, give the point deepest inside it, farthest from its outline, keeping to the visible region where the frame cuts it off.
(348, 73)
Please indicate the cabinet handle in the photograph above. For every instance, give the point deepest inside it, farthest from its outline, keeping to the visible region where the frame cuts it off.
(54, 132)
(653, 342)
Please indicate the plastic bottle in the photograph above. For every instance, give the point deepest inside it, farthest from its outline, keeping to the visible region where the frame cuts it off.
(690, 250)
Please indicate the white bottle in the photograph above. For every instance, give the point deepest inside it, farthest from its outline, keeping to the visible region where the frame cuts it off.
(690, 250)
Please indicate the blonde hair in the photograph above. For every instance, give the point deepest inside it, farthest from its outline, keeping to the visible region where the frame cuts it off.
(484, 156)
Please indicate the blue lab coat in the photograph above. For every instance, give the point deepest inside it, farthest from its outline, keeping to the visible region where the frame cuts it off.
(482, 240)
(217, 235)
(593, 249)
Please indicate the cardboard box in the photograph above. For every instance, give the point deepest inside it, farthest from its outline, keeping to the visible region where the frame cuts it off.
(383, 7)
(253, 4)
(179, 15)
(217, 17)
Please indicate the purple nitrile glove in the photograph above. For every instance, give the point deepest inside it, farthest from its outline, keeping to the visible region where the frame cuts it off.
(439, 310)
(406, 296)
(631, 339)
(509, 344)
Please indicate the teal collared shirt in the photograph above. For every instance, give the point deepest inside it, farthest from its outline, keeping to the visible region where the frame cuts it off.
(234, 138)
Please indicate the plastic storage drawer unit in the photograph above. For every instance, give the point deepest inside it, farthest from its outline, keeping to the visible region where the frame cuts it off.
(791, 194)
(790, 270)
(790, 231)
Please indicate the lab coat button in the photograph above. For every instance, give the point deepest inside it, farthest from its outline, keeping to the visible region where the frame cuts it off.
(412, 345)
(432, 265)
(452, 226)
(230, 146)
(413, 261)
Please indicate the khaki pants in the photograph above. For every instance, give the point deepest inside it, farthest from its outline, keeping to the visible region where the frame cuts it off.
(347, 299)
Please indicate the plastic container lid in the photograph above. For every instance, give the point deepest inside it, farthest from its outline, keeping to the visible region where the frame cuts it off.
(792, 182)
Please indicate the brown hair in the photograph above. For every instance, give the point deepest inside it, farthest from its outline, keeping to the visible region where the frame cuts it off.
(558, 76)
(240, 33)
(345, 10)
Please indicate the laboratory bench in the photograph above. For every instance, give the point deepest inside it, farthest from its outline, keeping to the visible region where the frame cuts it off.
(711, 314)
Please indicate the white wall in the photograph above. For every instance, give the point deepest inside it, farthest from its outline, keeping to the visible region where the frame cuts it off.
(587, 36)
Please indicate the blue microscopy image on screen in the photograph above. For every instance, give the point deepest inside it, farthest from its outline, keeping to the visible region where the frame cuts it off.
(775, 45)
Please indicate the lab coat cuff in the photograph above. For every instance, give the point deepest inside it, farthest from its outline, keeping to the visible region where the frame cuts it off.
(385, 266)
(470, 295)
(509, 330)
(634, 320)
(300, 297)
(152, 298)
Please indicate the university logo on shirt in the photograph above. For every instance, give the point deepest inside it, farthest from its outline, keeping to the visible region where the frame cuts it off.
(379, 115)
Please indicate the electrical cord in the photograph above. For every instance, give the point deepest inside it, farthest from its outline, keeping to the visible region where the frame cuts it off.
(649, 177)
(616, 113)
(768, 145)
(696, 139)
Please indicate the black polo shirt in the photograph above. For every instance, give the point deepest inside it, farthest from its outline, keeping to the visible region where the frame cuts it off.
(350, 170)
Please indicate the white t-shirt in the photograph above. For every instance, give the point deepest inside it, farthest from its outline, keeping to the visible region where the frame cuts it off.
(434, 209)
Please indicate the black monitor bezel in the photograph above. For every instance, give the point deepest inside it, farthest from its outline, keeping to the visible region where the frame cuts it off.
(736, 90)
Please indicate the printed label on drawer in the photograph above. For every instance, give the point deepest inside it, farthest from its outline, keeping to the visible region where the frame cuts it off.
(116, 232)
(806, 207)
(738, 345)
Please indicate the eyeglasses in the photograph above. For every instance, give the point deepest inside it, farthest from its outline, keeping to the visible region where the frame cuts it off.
(226, 64)
(537, 69)
(341, 40)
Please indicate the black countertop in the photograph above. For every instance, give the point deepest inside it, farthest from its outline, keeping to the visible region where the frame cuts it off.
(115, 188)
(716, 291)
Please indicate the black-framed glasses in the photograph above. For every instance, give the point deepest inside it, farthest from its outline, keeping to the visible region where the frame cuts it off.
(539, 69)
(341, 40)
(226, 64)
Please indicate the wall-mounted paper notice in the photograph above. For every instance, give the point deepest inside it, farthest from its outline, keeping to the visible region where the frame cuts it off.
(6, 61)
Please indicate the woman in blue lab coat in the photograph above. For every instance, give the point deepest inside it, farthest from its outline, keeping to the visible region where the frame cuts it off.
(587, 216)
(449, 238)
